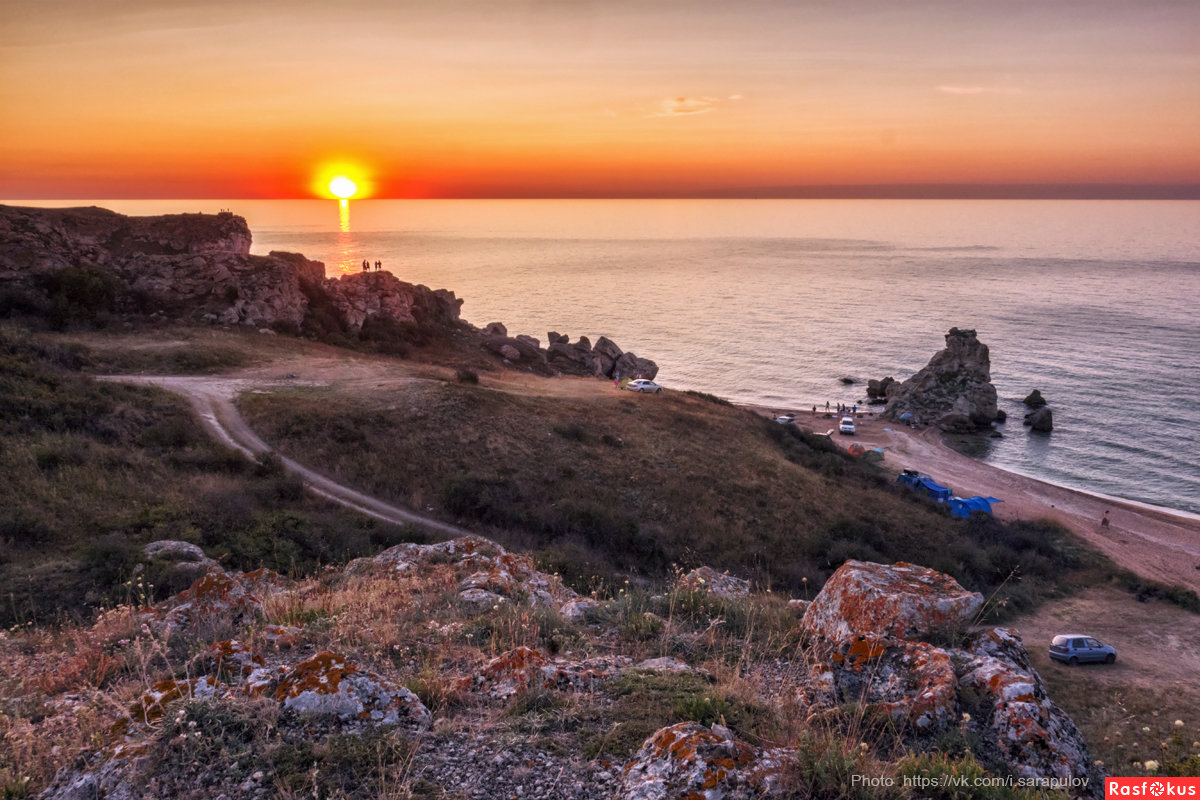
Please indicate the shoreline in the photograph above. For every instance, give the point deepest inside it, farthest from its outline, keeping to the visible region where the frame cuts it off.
(1155, 542)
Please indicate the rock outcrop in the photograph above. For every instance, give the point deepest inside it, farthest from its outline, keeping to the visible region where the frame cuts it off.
(84, 263)
(361, 296)
(1034, 399)
(954, 391)
(1041, 420)
(897, 638)
(360, 666)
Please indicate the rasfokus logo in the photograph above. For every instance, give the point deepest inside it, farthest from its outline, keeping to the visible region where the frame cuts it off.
(1152, 787)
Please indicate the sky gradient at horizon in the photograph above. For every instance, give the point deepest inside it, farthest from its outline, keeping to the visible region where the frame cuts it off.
(466, 98)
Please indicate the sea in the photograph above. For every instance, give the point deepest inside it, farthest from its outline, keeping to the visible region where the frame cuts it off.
(775, 302)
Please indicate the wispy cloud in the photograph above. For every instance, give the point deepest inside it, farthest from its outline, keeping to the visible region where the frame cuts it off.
(689, 106)
(979, 90)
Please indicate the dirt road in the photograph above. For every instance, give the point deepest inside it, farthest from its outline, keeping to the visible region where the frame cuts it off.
(212, 397)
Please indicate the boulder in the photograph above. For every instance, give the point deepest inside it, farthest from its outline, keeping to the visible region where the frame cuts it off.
(869, 630)
(878, 389)
(182, 558)
(954, 390)
(554, 337)
(630, 365)
(495, 329)
(1001, 416)
(707, 579)
(1041, 420)
(528, 340)
(328, 684)
(690, 760)
(1034, 399)
(524, 668)
(889, 602)
(606, 347)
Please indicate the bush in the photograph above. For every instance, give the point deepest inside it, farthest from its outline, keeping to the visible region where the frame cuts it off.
(466, 375)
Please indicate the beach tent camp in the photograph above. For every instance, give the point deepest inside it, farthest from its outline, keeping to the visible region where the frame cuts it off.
(965, 506)
(923, 483)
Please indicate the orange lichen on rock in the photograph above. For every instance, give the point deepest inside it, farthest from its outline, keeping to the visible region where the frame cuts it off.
(330, 684)
(524, 668)
(898, 601)
(690, 760)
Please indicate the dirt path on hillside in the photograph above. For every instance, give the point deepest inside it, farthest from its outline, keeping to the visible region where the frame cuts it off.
(212, 397)
(1151, 543)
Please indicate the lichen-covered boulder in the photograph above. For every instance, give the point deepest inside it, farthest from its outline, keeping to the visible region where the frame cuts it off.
(889, 602)
(1012, 715)
(330, 684)
(707, 579)
(524, 668)
(689, 760)
(218, 597)
(914, 683)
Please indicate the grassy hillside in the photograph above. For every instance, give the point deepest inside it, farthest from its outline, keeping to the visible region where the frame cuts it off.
(639, 483)
(94, 470)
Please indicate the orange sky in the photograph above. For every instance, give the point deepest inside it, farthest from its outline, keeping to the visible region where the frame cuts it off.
(214, 98)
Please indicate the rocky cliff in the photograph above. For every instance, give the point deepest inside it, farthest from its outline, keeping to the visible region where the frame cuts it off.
(194, 267)
(89, 264)
(953, 391)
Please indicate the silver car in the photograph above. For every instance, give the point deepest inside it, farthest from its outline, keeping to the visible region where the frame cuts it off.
(643, 385)
(1077, 648)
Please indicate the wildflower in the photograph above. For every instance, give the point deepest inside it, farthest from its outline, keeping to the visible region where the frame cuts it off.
(1178, 723)
(966, 717)
(1145, 729)
(1151, 766)
(1099, 763)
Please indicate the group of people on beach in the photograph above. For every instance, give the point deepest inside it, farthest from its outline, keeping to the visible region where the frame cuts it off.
(841, 408)
(366, 265)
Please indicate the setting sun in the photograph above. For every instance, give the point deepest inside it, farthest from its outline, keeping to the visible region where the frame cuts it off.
(343, 187)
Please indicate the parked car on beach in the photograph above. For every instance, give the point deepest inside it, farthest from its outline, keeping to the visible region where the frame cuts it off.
(643, 385)
(847, 426)
(1078, 648)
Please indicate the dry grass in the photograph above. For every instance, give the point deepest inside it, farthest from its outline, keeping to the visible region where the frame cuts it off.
(1126, 711)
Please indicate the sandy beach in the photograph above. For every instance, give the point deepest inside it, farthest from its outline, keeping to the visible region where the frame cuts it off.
(1156, 544)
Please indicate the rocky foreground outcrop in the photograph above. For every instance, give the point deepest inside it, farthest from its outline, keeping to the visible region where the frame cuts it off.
(330, 665)
(93, 263)
(899, 638)
(954, 391)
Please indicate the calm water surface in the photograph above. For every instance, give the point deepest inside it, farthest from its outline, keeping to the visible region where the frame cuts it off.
(774, 301)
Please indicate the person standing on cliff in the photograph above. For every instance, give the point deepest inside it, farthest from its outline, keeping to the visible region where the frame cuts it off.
(366, 265)
(378, 266)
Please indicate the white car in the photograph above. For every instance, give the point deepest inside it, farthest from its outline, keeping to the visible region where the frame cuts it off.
(643, 385)
(847, 426)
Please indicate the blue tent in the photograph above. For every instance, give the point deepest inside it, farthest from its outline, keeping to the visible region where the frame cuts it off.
(965, 506)
(923, 483)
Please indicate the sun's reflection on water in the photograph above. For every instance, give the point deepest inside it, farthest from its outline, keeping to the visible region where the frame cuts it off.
(345, 239)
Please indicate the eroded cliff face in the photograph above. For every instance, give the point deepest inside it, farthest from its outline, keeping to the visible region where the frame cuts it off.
(953, 391)
(194, 267)
(80, 265)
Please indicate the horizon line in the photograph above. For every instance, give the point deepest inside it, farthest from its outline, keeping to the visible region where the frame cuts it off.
(882, 191)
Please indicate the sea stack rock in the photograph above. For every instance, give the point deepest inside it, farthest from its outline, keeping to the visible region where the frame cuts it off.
(1041, 420)
(1034, 400)
(954, 391)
